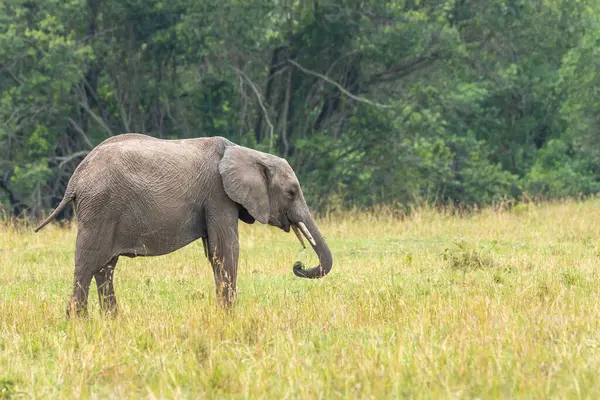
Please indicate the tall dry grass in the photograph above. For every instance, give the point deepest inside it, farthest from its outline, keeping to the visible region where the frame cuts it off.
(495, 304)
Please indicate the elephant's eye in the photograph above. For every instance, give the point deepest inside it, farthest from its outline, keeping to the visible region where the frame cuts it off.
(291, 193)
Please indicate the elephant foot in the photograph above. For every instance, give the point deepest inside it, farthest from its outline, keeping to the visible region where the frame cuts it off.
(108, 306)
(76, 310)
(109, 312)
(226, 295)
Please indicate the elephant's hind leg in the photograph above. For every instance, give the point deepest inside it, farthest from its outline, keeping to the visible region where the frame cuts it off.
(92, 254)
(106, 289)
(78, 304)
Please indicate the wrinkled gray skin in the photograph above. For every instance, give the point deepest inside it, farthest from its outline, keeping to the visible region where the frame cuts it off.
(136, 195)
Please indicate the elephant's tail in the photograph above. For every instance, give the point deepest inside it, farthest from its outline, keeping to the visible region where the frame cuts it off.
(69, 196)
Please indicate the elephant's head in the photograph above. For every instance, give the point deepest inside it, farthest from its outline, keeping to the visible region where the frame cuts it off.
(269, 192)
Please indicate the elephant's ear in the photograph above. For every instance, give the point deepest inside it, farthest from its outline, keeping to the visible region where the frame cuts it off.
(245, 181)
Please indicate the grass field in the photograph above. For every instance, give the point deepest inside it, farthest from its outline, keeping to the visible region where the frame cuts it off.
(492, 305)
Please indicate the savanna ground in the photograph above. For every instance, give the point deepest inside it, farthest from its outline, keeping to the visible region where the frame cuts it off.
(494, 304)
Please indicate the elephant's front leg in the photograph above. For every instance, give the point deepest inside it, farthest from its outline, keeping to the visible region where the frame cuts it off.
(223, 252)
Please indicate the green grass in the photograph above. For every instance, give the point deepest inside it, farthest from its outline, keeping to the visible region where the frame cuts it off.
(499, 304)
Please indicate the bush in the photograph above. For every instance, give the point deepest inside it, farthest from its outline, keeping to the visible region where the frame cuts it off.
(558, 172)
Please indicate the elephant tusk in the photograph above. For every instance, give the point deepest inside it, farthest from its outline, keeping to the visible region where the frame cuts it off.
(298, 235)
(306, 233)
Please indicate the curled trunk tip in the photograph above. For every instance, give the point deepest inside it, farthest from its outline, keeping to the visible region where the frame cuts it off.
(312, 273)
(314, 236)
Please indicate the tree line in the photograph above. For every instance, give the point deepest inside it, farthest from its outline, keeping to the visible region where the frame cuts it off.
(463, 102)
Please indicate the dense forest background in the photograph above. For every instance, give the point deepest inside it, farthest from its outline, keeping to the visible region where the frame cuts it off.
(464, 102)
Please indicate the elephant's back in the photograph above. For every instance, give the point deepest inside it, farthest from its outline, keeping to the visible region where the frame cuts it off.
(141, 172)
(139, 158)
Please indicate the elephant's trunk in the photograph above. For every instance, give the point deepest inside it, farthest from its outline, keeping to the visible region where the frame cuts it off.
(316, 240)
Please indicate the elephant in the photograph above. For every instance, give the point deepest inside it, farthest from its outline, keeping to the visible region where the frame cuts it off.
(136, 195)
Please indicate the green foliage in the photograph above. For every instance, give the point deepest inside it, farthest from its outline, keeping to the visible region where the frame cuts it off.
(29, 178)
(458, 171)
(559, 173)
(384, 102)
